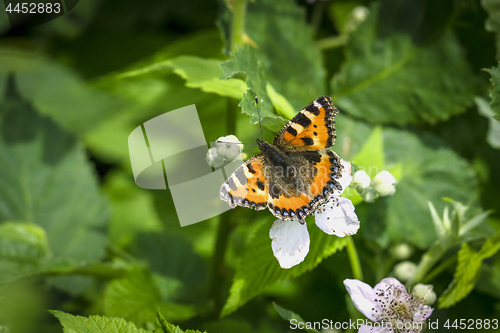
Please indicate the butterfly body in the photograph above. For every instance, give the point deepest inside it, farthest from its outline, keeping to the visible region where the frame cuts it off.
(295, 173)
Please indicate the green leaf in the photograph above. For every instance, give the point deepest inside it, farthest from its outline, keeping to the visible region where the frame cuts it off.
(493, 135)
(388, 78)
(57, 92)
(94, 324)
(371, 154)
(162, 326)
(248, 61)
(47, 180)
(258, 268)
(467, 272)
(289, 316)
(289, 62)
(136, 297)
(293, 64)
(495, 93)
(205, 74)
(133, 297)
(23, 247)
(492, 7)
(132, 209)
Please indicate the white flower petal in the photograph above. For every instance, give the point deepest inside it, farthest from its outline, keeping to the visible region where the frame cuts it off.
(425, 292)
(375, 329)
(345, 178)
(337, 217)
(290, 242)
(363, 297)
(387, 282)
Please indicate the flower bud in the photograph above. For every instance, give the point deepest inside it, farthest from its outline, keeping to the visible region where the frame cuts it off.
(361, 181)
(401, 251)
(425, 292)
(213, 159)
(405, 270)
(384, 183)
(229, 147)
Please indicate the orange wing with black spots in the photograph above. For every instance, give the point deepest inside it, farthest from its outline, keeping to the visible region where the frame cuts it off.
(297, 200)
(247, 185)
(312, 128)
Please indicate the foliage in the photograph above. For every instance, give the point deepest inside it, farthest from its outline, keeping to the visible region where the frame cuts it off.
(417, 88)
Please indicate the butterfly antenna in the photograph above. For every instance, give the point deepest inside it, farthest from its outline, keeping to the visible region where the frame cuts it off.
(260, 122)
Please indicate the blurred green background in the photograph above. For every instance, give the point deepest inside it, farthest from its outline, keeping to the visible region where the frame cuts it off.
(415, 85)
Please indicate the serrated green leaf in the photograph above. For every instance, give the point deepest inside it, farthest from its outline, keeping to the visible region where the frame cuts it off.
(249, 62)
(258, 268)
(162, 326)
(467, 271)
(94, 324)
(205, 74)
(290, 315)
(495, 93)
(47, 180)
(294, 65)
(23, 248)
(296, 75)
(388, 78)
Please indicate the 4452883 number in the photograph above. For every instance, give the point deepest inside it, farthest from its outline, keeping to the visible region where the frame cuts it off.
(34, 8)
(471, 324)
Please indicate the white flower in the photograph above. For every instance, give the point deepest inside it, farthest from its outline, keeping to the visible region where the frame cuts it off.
(405, 270)
(425, 292)
(226, 149)
(384, 183)
(290, 239)
(389, 304)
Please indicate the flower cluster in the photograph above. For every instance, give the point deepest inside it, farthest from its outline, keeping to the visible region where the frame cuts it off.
(383, 184)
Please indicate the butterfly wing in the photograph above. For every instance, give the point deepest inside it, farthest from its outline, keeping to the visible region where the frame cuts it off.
(297, 193)
(312, 128)
(247, 185)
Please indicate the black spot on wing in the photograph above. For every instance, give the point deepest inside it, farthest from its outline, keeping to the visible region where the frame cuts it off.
(313, 109)
(260, 185)
(291, 130)
(307, 141)
(250, 168)
(302, 120)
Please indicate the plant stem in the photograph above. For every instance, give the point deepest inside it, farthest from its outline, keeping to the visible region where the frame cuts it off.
(332, 42)
(223, 231)
(357, 272)
(428, 260)
(238, 23)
